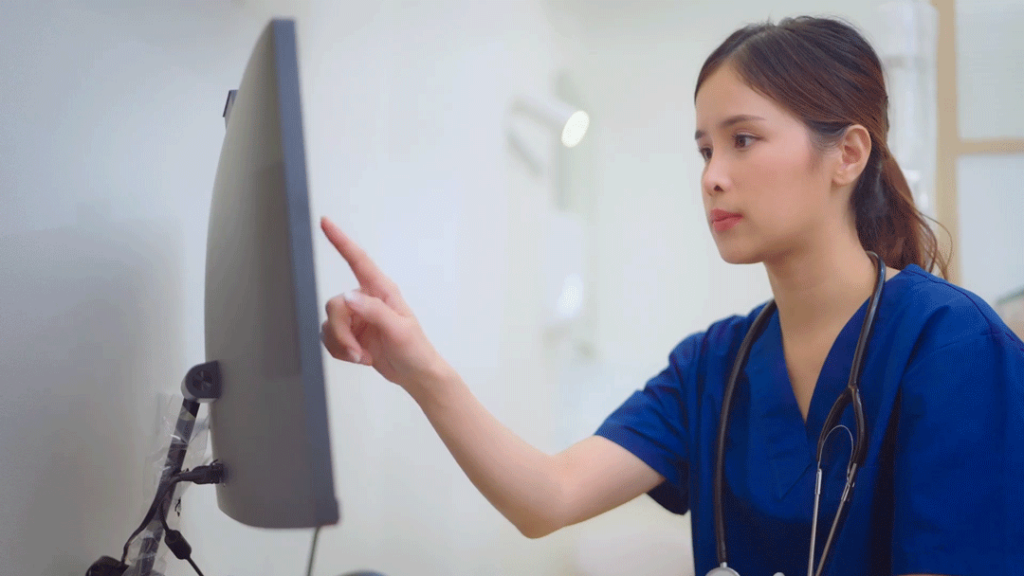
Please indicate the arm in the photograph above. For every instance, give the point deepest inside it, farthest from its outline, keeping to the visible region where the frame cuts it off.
(537, 492)
(598, 475)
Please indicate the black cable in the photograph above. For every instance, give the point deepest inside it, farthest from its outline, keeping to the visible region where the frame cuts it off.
(312, 552)
(194, 567)
(211, 474)
(160, 495)
(163, 515)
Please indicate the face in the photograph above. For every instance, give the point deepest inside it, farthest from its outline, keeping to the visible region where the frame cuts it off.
(759, 162)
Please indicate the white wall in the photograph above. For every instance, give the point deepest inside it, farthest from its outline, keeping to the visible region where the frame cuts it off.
(408, 155)
(108, 150)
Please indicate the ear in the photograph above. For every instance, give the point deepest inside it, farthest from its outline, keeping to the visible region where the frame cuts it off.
(854, 150)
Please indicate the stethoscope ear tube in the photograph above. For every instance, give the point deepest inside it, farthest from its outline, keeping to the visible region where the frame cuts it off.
(723, 426)
(851, 395)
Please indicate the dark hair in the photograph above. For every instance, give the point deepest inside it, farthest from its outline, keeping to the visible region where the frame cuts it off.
(828, 75)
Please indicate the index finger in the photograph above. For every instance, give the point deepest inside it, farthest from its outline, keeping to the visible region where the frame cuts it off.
(371, 279)
(367, 273)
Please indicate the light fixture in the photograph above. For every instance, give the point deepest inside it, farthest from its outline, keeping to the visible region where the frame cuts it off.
(564, 233)
(569, 122)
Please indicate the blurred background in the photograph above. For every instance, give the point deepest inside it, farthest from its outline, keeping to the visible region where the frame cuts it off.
(555, 280)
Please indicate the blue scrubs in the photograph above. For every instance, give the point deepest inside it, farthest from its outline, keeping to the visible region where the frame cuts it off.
(942, 488)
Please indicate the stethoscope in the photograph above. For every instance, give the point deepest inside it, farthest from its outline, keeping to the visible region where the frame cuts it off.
(851, 395)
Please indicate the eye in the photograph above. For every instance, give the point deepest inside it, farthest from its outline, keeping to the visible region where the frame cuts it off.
(746, 138)
(705, 153)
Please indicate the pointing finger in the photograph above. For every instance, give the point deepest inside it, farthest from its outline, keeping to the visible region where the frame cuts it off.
(367, 273)
(369, 276)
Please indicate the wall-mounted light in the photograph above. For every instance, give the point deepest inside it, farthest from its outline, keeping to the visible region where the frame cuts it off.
(568, 122)
(564, 238)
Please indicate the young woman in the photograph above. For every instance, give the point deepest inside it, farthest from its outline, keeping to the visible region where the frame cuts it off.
(791, 124)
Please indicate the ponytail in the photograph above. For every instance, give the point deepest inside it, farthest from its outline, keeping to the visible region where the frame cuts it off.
(888, 221)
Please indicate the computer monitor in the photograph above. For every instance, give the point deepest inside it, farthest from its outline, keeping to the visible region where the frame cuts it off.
(269, 426)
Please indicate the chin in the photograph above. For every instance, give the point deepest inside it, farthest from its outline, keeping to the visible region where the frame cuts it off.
(737, 255)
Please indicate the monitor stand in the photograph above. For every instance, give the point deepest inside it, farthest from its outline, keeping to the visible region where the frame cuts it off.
(201, 384)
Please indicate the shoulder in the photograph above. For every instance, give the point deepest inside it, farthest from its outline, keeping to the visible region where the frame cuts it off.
(715, 344)
(937, 314)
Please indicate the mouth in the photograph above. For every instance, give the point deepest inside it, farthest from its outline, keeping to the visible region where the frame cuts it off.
(723, 222)
(721, 215)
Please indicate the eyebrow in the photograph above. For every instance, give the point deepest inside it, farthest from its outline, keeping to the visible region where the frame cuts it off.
(729, 122)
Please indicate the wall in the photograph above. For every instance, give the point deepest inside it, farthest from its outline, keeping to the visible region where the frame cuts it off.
(408, 155)
(108, 151)
(108, 146)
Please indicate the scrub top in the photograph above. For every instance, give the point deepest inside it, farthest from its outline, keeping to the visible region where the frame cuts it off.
(942, 486)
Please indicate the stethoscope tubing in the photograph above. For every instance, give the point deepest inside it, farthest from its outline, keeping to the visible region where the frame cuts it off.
(849, 397)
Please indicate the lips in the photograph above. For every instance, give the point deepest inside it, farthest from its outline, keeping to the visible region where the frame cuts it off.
(717, 215)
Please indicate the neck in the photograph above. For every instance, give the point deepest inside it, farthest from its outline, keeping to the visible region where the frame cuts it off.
(819, 289)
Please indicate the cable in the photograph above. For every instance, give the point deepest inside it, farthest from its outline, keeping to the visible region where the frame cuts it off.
(211, 474)
(194, 567)
(160, 495)
(312, 552)
(173, 538)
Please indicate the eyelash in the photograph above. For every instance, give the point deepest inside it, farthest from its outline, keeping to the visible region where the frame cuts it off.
(702, 151)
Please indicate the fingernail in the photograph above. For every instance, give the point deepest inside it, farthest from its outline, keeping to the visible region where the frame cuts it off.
(354, 355)
(353, 297)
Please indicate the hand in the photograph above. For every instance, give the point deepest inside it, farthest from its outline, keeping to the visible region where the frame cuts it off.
(373, 325)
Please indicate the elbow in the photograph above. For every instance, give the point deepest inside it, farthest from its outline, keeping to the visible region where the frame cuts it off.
(531, 533)
(547, 512)
(535, 531)
(539, 526)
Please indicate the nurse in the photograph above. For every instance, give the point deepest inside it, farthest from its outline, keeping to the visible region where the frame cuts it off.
(791, 125)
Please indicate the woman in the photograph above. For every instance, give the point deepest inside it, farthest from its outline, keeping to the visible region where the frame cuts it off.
(792, 125)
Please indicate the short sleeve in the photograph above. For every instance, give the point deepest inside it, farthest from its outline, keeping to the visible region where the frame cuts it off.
(959, 463)
(653, 425)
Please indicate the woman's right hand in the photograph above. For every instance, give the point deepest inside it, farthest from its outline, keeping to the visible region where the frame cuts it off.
(373, 325)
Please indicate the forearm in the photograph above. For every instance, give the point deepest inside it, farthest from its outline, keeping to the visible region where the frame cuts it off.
(516, 478)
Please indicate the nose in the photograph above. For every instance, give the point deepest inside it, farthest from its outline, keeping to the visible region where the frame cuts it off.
(715, 178)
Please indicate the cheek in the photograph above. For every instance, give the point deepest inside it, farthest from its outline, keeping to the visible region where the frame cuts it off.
(777, 169)
(782, 189)
(783, 178)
